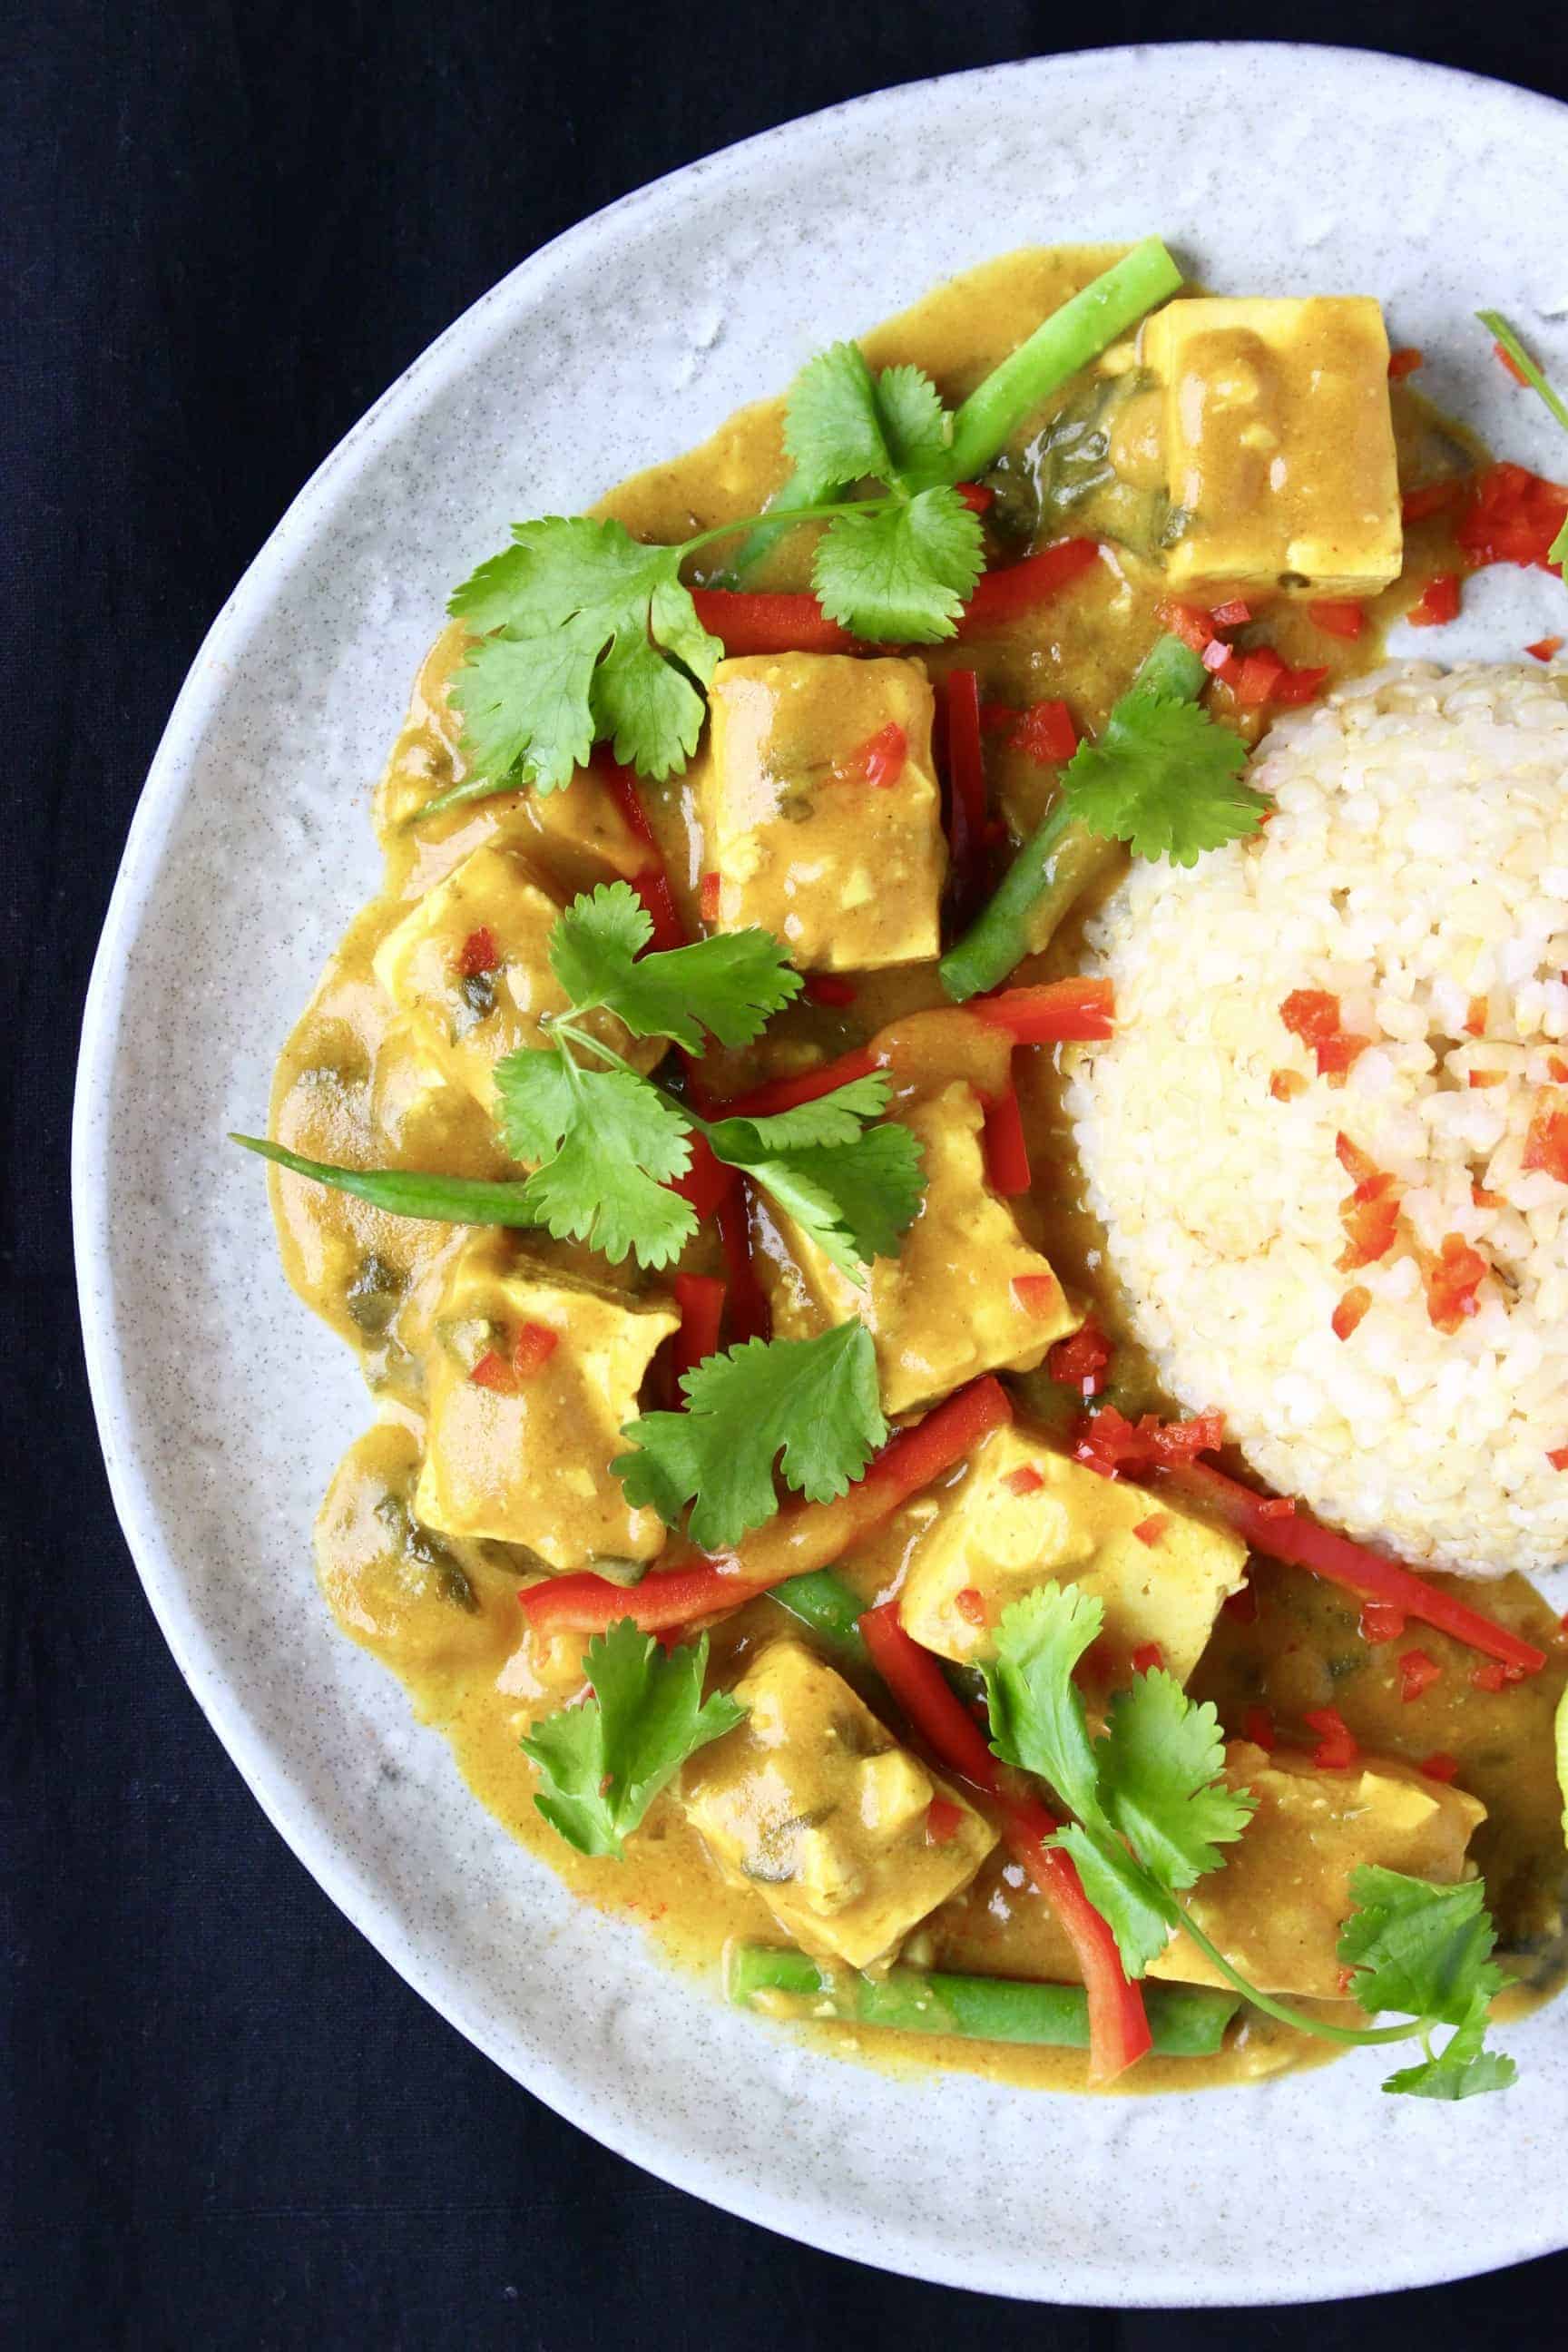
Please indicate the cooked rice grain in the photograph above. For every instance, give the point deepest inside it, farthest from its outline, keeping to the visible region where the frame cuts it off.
(1418, 861)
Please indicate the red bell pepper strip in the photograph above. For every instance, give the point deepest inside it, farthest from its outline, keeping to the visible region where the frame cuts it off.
(701, 1298)
(1001, 596)
(1059, 1011)
(749, 1317)
(652, 882)
(754, 621)
(803, 1537)
(707, 1182)
(965, 783)
(1300, 1542)
(1006, 1150)
(1118, 2027)
(805, 1086)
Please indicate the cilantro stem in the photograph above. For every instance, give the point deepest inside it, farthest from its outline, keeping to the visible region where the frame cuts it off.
(1498, 326)
(405, 1192)
(1353, 2036)
(1061, 857)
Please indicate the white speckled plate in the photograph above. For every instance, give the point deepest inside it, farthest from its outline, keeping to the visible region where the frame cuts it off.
(1272, 169)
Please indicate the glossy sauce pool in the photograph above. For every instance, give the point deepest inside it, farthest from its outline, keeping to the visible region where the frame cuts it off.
(444, 1617)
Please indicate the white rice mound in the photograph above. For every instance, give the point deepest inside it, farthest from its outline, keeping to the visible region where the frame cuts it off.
(1419, 860)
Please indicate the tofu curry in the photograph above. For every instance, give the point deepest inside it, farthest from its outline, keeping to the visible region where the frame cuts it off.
(679, 1141)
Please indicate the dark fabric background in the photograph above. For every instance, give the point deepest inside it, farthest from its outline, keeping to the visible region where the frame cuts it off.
(226, 227)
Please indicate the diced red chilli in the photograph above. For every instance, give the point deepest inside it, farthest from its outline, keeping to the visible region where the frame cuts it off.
(1217, 656)
(1440, 1765)
(1286, 1084)
(1339, 618)
(1558, 1457)
(1232, 614)
(1147, 1658)
(1512, 516)
(1505, 359)
(493, 1372)
(480, 953)
(1381, 1621)
(1351, 1309)
(976, 497)
(1150, 1530)
(1437, 604)
(1418, 1673)
(1025, 1480)
(1546, 1139)
(1476, 1015)
(1453, 1277)
(708, 897)
(943, 1821)
(1545, 649)
(1036, 1294)
(970, 1603)
(535, 1344)
(1257, 1725)
(1336, 1750)
(1045, 733)
(1405, 362)
(1493, 1677)
(1557, 1068)
(1082, 1362)
(1191, 623)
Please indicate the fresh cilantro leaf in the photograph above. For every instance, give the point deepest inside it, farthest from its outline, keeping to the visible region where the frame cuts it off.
(915, 425)
(1165, 778)
(1425, 1951)
(852, 1190)
(1038, 1717)
(603, 1761)
(842, 425)
(1160, 1768)
(900, 573)
(730, 985)
(1138, 1913)
(1421, 1949)
(832, 429)
(583, 633)
(828, 1120)
(810, 1404)
(603, 1146)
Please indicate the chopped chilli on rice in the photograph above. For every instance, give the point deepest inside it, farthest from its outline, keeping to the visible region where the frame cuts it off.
(1329, 1140)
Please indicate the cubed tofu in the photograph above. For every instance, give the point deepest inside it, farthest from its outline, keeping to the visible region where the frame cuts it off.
(1277, 1908)
(1278, 445)
(528, 1461)
(1023, 1516)
(967, 1294)
(845, 866)
(469, 969)
(812, 1801)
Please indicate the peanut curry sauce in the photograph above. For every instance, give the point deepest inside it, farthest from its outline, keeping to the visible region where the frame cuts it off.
(354, 1087)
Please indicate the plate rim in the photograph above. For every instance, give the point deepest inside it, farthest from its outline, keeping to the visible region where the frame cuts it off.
(342, 1881)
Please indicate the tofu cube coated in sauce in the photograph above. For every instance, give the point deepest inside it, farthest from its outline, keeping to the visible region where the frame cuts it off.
(1277, 1908)
(1278, 445)
(813, 1803)
(1023, 1516)
(820, 808)
(522, 1453)
(469, 968)
(967, 1294)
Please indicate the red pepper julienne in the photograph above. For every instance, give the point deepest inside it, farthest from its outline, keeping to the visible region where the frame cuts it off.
(1118, 2028)
(803, 1535)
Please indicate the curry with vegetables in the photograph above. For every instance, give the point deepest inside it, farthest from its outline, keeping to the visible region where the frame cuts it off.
(775, 1491)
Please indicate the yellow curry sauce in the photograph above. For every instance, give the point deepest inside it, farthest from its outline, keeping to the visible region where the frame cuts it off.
(353, 1086)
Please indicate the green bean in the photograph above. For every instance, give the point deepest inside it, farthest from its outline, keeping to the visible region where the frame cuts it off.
(1061, 857)
(828, 1607)
(403, 1193)
(1185, 2021)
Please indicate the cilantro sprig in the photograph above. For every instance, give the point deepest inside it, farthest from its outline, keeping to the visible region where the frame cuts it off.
(605, 1143)
(603, 1760)
(809, 1405)
(1153, 1812)
(584, 635)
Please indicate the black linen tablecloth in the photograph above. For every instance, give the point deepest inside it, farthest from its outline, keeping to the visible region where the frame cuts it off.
(223, 2120)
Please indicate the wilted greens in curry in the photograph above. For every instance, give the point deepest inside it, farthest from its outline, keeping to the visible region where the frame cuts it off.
(705, 1220)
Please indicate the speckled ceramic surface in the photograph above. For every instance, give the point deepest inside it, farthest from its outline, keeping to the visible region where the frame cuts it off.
(1273, 170)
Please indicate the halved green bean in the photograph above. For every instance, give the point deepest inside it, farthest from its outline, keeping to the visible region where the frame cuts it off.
(1185, 2021)
(403, 1193)
(1061, 857)
(1083, 328)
